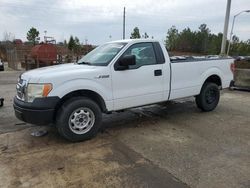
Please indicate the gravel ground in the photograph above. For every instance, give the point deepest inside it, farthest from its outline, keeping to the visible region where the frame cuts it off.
(168, 145)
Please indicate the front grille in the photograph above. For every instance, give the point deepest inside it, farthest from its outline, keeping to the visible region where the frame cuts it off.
(21, 88)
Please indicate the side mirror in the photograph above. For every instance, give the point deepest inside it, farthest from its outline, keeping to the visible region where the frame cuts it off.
(127, 60)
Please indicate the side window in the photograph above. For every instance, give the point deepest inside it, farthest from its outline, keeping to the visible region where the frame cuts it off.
(144, 53)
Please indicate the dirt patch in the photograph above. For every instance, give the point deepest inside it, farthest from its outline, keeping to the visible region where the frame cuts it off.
(53, 162)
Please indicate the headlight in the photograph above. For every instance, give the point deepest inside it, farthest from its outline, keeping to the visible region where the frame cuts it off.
(37, 90)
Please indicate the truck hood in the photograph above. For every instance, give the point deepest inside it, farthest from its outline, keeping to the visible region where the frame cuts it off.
(72, 69)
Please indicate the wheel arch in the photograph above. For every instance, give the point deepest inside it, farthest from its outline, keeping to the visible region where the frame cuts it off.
(214, 79)
(83, 93)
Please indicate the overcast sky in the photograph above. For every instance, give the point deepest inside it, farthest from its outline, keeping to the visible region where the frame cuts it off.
(97, 20)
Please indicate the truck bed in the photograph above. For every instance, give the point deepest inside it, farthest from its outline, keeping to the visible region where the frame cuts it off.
(188, 75)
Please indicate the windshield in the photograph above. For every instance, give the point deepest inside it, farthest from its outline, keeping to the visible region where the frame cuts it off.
(102, 55)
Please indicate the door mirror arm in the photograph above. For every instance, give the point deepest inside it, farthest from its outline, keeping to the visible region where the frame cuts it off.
(121, 67)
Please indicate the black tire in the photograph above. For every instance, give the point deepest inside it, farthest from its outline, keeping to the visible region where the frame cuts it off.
(67, 113)
(209, 97)
(1, 102)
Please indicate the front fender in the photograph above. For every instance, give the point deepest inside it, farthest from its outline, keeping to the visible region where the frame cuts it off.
(103, 89)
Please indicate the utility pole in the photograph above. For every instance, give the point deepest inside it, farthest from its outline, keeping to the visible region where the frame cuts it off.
(224, 39)
(124, 12)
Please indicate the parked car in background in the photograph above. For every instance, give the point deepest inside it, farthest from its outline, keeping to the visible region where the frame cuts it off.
(1, 65)
(239, 58)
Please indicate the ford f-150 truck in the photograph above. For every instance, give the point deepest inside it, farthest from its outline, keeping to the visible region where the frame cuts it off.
(115, 76)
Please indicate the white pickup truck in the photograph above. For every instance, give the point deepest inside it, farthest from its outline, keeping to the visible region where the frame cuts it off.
(115, 76)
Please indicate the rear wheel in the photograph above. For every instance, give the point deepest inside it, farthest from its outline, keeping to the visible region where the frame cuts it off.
(209, 97)
(79, 119)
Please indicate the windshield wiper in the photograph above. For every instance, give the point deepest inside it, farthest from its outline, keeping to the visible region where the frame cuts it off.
(84, 62)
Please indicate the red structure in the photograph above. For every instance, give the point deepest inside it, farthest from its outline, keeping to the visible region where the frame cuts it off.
(44, 54)
(18, 41)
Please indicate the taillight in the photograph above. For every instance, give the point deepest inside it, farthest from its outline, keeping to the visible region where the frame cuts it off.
(232, 67)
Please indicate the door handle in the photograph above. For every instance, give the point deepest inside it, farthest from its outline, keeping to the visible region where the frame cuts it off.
(158, 72)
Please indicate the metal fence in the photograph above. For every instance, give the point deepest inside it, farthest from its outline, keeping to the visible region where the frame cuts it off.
(20, 57)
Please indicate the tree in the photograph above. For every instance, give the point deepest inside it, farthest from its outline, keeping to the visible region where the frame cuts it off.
(65, 43)
(135, 34)
(214, 43)
(71, 43)
(32, 35)
(74, 44)
(235, 39)
(77, 46)
(203, 35)
(202, 41)
(171, 39)
(146, 35)
(248, 42)
(77, 41)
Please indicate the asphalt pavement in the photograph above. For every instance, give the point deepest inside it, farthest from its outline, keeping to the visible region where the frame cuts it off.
(168, 145)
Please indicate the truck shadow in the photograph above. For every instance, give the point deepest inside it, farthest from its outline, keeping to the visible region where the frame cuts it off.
(148, 115)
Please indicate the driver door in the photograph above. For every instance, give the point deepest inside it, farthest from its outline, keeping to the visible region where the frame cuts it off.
(139, 84)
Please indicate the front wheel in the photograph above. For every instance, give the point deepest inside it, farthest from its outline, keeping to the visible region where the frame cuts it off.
(79, 119)
(209, 97)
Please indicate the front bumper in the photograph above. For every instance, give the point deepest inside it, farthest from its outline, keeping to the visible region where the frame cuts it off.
(40, 112)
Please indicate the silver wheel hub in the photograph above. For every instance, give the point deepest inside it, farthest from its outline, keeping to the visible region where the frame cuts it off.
(81, 120)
